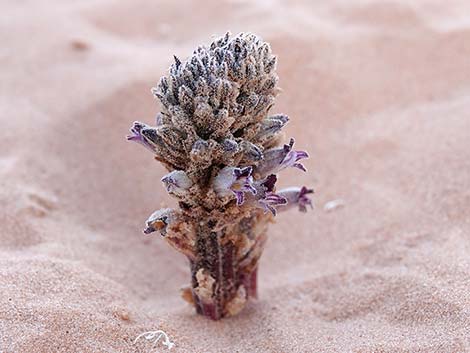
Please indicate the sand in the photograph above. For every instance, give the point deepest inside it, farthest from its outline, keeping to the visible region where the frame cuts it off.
(378, 93)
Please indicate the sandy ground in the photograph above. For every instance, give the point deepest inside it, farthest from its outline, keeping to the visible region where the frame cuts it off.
(378, 93)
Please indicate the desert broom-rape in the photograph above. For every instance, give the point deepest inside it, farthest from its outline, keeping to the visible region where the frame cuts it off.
(221, 148)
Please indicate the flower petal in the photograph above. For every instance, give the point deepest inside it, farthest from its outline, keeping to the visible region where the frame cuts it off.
(277, 159)
(240, 197)
(271, 200)
(137, 135)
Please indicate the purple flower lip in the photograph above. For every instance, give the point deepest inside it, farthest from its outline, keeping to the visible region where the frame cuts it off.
(137, 135)
(243, 183)
(304, 201)
(271, 200)
(292, 157)
(277, 159)
(237, 181)
(135, 130)
(265, 197)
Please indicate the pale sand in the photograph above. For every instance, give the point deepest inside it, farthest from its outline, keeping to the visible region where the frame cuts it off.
(379, 93)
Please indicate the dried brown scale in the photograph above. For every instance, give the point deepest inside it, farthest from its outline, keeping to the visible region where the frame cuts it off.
(215, 136)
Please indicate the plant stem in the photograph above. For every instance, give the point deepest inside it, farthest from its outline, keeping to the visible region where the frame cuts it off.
(221, 282)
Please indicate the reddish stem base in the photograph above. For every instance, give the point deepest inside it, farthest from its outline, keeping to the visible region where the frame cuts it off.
(222, 282)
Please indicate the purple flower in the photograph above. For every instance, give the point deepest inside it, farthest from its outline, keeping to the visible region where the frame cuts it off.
(296, 196)
(265, 196)
(271, 200)
(177, 182)
(277, 159)
(292, 157)
(234, 180)
(138, 136)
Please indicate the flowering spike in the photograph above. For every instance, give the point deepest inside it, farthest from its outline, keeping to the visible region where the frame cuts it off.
(215, 136)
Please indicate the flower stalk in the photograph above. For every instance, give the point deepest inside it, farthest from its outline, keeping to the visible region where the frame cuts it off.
(215, 136)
